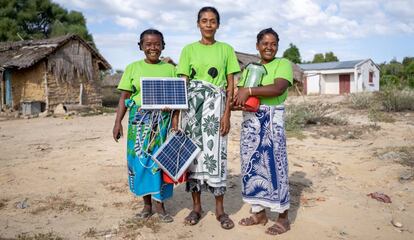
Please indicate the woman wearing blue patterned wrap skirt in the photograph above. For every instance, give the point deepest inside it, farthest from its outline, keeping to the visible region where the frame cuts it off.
(264, 166)
(147, 130)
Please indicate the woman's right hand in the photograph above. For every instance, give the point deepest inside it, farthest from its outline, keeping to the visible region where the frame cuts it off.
(117, 132)
(241, 97)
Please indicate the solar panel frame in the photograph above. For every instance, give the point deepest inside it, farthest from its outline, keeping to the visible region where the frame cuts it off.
(163, 92)
(170, 151)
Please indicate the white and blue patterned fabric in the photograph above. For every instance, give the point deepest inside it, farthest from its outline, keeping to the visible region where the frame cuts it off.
(264, 166)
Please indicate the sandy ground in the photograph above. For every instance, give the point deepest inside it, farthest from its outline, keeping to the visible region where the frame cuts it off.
(67, 176)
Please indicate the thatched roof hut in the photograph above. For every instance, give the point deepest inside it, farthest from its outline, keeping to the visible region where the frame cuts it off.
(64, 69)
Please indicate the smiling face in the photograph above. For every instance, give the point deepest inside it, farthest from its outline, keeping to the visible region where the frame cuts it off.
(208, 25)
(267, 47)
(152, 47)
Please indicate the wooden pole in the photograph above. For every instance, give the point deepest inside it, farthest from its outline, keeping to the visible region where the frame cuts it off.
(46, 87)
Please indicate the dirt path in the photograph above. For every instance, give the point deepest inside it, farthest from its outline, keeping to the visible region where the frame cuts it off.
(67, 176)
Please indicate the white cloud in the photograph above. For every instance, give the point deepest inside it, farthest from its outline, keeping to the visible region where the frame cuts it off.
(303, 22)
(129, 23)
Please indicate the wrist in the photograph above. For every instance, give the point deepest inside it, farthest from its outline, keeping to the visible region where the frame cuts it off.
(250, 91)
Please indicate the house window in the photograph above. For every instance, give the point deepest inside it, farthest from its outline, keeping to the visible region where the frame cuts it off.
(371, 78)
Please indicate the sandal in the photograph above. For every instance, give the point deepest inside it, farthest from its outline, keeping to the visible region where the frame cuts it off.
(253, 220)
(165, 217)
(193, 218)
(225, 221)
(278, 228)
(144, 214)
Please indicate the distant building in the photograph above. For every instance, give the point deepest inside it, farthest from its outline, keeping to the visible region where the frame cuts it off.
(341, 77)
(51, 71)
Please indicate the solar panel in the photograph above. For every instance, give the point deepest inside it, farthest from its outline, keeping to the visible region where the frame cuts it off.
(176, 154)
(159, 93)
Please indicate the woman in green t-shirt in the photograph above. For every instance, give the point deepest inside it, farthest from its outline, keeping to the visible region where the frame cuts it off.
(209, 65)
(264, 166)
(145, 178)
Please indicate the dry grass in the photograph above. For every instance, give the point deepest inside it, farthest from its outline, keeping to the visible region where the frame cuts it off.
(90, 233)
(3, 203)
(375, 115)
(300, 116)
(37, 236)
(361, 100)
(402, 155)
(57, 203)
(116, 187)
(346, 133)
(394, 100)
(132, 227)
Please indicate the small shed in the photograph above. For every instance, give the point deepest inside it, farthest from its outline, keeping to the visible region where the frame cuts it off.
(61, 70)
(341, 77)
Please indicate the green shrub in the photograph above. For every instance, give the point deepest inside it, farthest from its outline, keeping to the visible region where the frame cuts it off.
(299, 116)
(395, 100)
(361, 100)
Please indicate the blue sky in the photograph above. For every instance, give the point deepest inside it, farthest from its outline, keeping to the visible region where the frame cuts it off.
(352, 29)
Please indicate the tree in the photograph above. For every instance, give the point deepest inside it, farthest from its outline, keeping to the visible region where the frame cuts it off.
(407, 61)
(292, 53)
(318, 58)
(328, 57)
(38, 19)
(398, 74)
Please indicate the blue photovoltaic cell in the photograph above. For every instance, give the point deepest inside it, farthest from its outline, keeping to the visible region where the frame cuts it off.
(158, 93)
(176, 154)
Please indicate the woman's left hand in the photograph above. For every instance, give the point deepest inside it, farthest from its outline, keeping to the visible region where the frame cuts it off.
(241, 96)
(225, 124)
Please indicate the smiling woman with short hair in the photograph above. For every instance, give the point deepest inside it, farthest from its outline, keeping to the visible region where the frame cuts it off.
(145, 177)
(264, 165)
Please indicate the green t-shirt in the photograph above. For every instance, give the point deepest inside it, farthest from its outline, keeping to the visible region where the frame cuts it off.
(198, 60)
(278, 68)
(138, 69)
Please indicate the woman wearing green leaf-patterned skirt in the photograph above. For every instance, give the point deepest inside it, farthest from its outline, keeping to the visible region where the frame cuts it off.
(209, 65)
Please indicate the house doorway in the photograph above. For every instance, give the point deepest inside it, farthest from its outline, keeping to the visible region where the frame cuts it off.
(344, 83)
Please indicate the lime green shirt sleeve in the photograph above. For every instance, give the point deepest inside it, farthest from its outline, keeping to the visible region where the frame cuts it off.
(126, 80)
(184, 63)
(232, 62)
(284, 71)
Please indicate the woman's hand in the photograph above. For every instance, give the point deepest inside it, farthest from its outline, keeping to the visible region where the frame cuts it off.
(117, 131)
(241, 97)
(174, 123)
(225, 124)
(174, 120)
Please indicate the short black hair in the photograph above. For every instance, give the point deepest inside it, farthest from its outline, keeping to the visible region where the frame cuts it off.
(261, 34)
(150, 31)
(209, 9)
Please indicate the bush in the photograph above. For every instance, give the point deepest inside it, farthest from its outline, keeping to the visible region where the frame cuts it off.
(299, 116)
(361, 100)
(376, 115)
(394, 100)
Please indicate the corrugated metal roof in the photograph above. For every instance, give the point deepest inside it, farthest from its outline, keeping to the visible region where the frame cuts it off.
(330, 65)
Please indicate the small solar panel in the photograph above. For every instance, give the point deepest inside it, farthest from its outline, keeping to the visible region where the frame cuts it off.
(159, 93)
(176, 154)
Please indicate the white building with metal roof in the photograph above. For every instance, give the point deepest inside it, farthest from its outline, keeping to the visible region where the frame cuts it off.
(341, 77)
